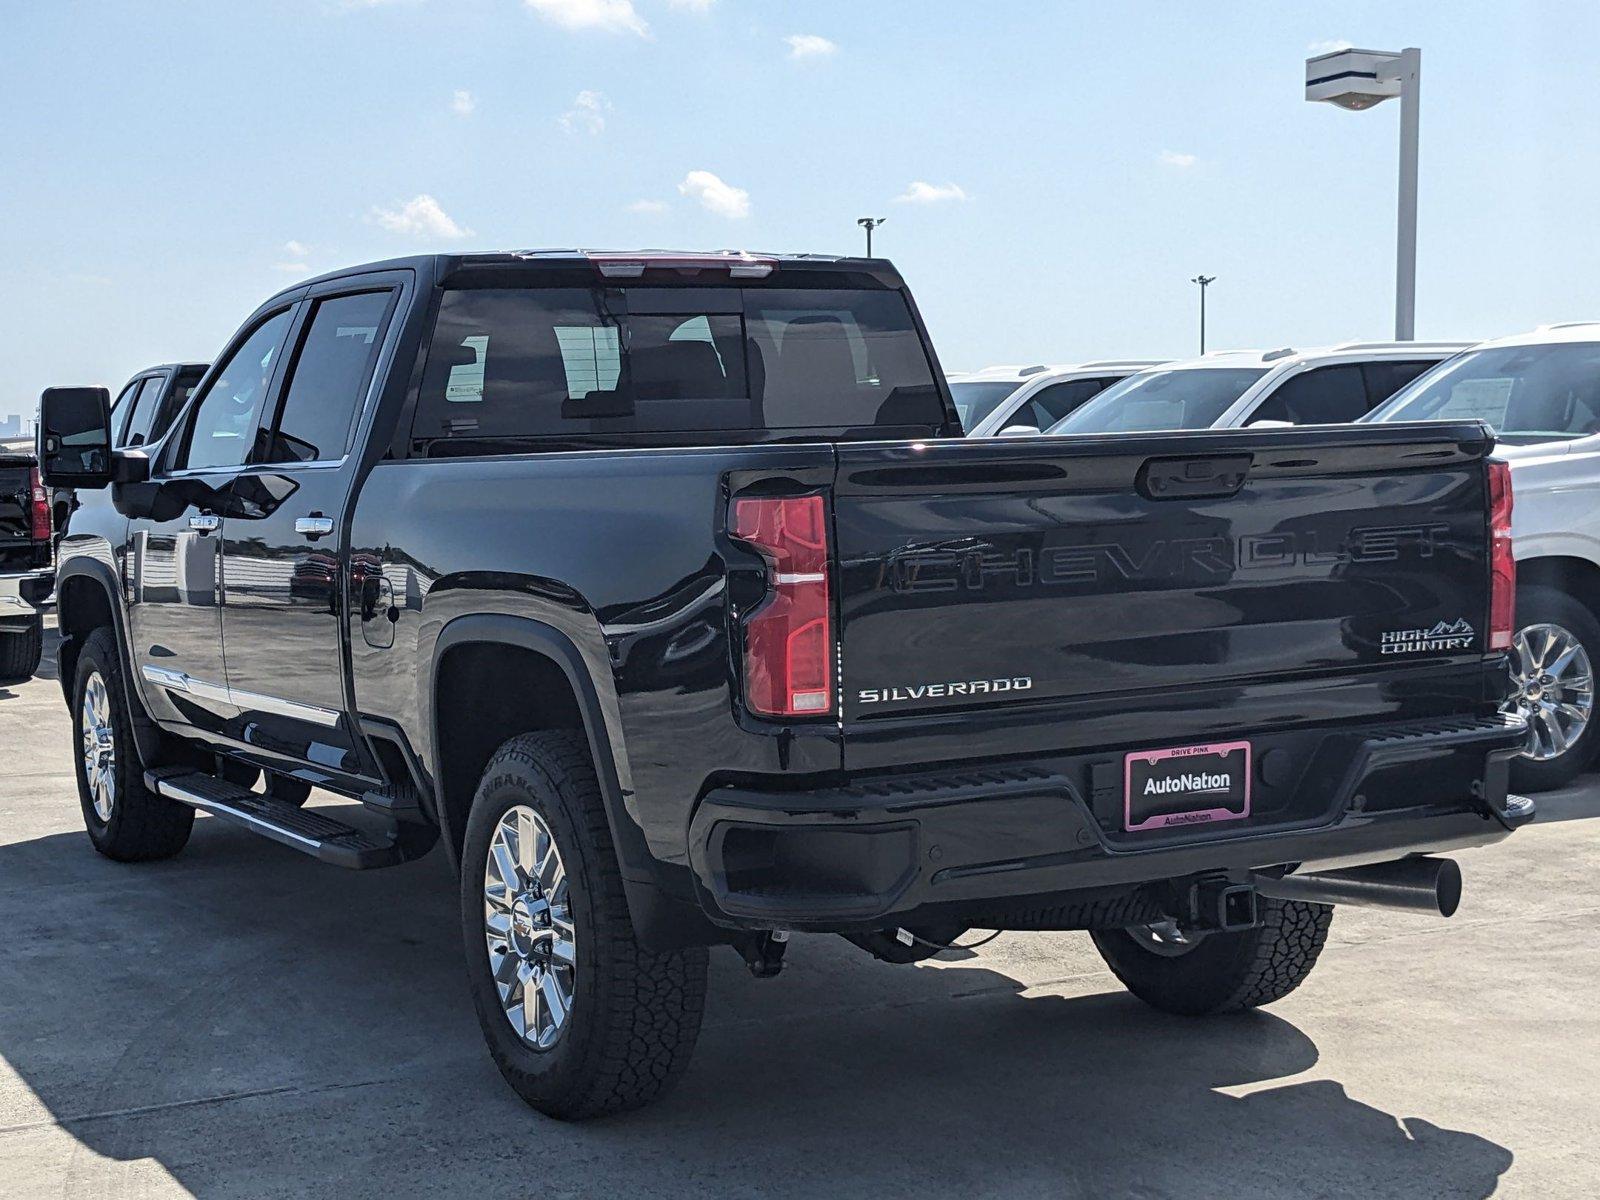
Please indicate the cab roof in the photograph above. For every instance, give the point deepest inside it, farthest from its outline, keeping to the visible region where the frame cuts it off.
(622, 265)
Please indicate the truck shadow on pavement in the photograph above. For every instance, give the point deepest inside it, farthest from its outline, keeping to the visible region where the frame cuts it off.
(242, 1021)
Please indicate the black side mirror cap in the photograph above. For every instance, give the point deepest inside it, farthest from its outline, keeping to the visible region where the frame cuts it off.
(130, 466)
(74, 438)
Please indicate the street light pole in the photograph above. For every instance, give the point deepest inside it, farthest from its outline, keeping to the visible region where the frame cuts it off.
(869, 224)
(1204, 281)
(1358, 80)
(1405, 283)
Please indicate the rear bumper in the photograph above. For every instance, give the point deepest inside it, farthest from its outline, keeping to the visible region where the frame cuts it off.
(21, 597)
(966, 842)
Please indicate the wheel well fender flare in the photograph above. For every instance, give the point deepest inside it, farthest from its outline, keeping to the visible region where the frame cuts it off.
(550, 643)
(100, 574)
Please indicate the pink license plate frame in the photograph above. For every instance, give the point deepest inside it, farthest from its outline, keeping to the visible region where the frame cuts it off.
(1202, 757)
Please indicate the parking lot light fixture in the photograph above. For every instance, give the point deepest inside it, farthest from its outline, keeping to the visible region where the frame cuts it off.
(1361, 79)
(869, 224)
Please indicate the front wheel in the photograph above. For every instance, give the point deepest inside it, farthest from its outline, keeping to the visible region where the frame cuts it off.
(1552, 671)
(126, 820)
(580, 1019)
(1196, 974)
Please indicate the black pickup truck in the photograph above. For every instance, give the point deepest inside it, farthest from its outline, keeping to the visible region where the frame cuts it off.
(26, 559)
(663, 592)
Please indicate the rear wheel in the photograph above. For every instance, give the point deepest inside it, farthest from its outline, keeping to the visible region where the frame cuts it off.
(126, 821)
(20, 652)
(580, 1019)
(1553, 657)
(1195, 974)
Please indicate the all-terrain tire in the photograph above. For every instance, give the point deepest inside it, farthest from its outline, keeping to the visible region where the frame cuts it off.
(1538, 605)
(20, 653)
(140, 825)
(1224, 972)
(635, 1015)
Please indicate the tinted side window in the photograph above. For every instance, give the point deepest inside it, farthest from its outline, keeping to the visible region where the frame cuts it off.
(138, 431)
(328, 379)
(120, 410)
(1057, 400)
(1324, 396)
(224, 423)
(182, 388)
(1384, 379)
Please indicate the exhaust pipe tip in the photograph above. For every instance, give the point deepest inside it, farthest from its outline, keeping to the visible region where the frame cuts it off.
(1447, 886)
(1419, 884)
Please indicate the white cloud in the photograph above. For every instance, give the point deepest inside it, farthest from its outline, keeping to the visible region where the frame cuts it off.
(698, 6)
(462, 103)
(1171, 158)
(809, 45)
(648, 206)
(420, 216)
(714, 195)
(587, 114)
(297, 250)
(292, 268)
(1328, 46)
(608, 16)
(930, 193)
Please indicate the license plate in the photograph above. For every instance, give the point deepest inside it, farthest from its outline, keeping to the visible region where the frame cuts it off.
(1189, 785)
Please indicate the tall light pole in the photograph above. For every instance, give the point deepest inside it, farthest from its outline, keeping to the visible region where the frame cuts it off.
(1360, 79)
(1204, 281)
(869, 224)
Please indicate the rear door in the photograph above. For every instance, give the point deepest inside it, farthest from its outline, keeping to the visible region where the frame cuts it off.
(283, 549)
(1010, 596)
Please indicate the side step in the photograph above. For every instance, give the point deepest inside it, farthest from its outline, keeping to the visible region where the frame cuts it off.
(308, 832)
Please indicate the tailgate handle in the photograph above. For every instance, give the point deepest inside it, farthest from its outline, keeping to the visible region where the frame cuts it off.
(1186, 478)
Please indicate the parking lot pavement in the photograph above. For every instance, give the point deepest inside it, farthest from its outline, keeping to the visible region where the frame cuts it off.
(243, 1021)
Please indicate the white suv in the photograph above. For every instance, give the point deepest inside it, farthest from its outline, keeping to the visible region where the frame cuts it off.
(1013, 401)
(1540, 392)
(1230, 388)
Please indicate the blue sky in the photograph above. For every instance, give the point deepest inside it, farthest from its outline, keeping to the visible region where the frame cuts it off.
(166, 166)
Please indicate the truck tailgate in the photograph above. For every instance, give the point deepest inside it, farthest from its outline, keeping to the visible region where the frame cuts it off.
(18, 551)
(1054, 593)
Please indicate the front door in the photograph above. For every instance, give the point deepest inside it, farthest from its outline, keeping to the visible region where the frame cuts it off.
(173, 567)
(283, 547)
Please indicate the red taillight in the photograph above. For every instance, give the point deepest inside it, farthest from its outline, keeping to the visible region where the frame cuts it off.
(38, 506)
(1502, 566)
(788, 641)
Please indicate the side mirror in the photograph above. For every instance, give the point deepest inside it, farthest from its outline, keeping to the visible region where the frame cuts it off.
(74, 439)
(1020, 431)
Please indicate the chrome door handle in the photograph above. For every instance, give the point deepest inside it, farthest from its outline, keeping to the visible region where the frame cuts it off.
(313, 527)
(205, 522)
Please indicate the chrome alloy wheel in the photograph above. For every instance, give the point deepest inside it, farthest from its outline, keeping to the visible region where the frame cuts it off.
(1165, 938)
(1553, 687)
(99, 746)
(527, 922)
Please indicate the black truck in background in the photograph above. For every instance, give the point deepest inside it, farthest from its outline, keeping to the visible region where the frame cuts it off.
(663, 593)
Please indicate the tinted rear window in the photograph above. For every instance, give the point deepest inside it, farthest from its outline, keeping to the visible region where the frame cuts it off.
(572, 362)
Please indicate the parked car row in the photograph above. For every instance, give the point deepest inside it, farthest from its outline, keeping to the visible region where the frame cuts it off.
(1539, 392)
